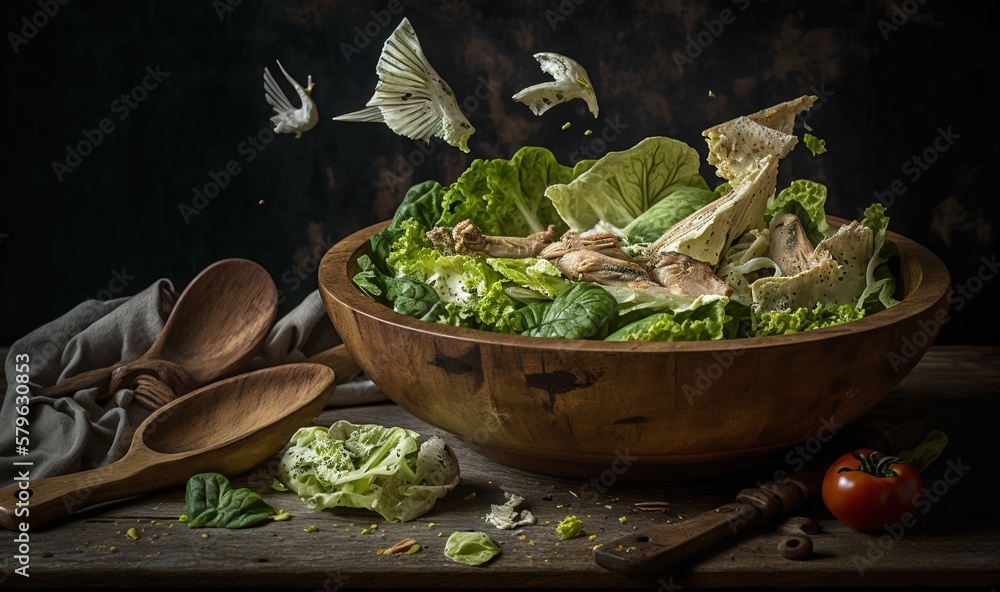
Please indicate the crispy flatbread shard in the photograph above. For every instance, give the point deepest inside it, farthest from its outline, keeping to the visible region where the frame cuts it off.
(736, 147)
(706, 234)
(838, 277)
(411, 97)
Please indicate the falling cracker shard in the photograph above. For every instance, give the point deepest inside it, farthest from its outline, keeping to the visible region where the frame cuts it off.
(411, 97)
(571, 82)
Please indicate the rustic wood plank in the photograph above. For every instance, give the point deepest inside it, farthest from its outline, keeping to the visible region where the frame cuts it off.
(955, 543)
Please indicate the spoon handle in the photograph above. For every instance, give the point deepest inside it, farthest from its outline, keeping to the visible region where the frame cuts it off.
(40, 501)
(100, 378)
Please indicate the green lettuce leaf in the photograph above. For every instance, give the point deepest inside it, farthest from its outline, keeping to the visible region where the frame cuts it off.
(814, 144)
(584, 311)
(507, 197)
(211, 502)
(623, 185)
(539, 275)
(389, 470)
(707, 322)
(807, 200)
(470, 548)
(422, 204)
(880, 283)
(677, 205)
(803, 319)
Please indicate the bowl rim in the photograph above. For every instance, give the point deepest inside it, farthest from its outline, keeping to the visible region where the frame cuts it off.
(933, 285)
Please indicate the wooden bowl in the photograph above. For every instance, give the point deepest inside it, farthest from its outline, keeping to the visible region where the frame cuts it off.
(635, 410)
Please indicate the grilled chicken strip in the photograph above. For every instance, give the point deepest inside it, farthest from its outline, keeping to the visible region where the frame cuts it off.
(592, 266)
(466, 238)
(687, 277)
(790, 247)
(600, 242)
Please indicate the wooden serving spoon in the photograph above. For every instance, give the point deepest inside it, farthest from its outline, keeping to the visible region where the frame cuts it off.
(216, 325)
(228, 427)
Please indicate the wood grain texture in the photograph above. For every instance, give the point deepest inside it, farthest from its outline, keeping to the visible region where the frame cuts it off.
(229, 426)
(687, 409)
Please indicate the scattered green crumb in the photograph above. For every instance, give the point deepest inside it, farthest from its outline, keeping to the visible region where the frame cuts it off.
(711, 94)
(430, 525)
(588, 132)
(471, 495)
(373, 527)
(182, 518)
(592, 537)
(566, 125)
(133, 534)
(571, 527)
(364, 531)
(278, 485)
(310, 528)
(281, 516)
(623, 520)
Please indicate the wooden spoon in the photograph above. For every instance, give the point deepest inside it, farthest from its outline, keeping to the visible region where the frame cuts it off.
(228, 427)
(216, 325)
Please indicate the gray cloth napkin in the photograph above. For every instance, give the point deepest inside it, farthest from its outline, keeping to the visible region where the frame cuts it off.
(75, 433)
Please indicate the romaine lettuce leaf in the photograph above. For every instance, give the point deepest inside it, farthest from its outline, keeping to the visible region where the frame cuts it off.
(623, 185)
(677, 205)
(389, 470)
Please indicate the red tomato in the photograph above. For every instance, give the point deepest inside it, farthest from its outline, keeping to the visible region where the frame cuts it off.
(867, 490)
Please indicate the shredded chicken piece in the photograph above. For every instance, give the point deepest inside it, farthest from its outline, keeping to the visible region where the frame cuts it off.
(687, 277)
(592, 266)
(468, 238)
(790, 247)
(604, 243)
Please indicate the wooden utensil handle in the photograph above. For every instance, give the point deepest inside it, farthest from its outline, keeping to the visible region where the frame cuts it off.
(654, 549)
(99, 378)
(340, 360)
(40, 501)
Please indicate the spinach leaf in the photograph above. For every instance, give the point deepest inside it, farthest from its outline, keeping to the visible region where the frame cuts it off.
(213, 503)
(582, 312)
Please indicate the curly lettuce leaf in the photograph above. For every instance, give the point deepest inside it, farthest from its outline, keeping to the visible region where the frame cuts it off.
(814, 144)
(803, 319)
(623, 185)
(389, 470)
(535, 274)
(707, 322)
(807, 200)
(507, 197)
(422, 204)
(880, 283)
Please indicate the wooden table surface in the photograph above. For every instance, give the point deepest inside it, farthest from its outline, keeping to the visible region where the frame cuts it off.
(956, 542)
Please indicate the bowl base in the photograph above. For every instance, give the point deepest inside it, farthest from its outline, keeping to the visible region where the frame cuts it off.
(623, 467)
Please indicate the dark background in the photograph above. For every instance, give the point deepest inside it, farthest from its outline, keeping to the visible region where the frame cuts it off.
(112, 225)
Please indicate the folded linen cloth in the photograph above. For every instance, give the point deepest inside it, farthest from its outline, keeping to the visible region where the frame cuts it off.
(75, 433)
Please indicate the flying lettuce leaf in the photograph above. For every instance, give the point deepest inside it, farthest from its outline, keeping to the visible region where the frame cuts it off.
(622, 185)
(389, 470)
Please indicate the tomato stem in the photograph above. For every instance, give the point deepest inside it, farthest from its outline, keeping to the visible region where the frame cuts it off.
(873, 465)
